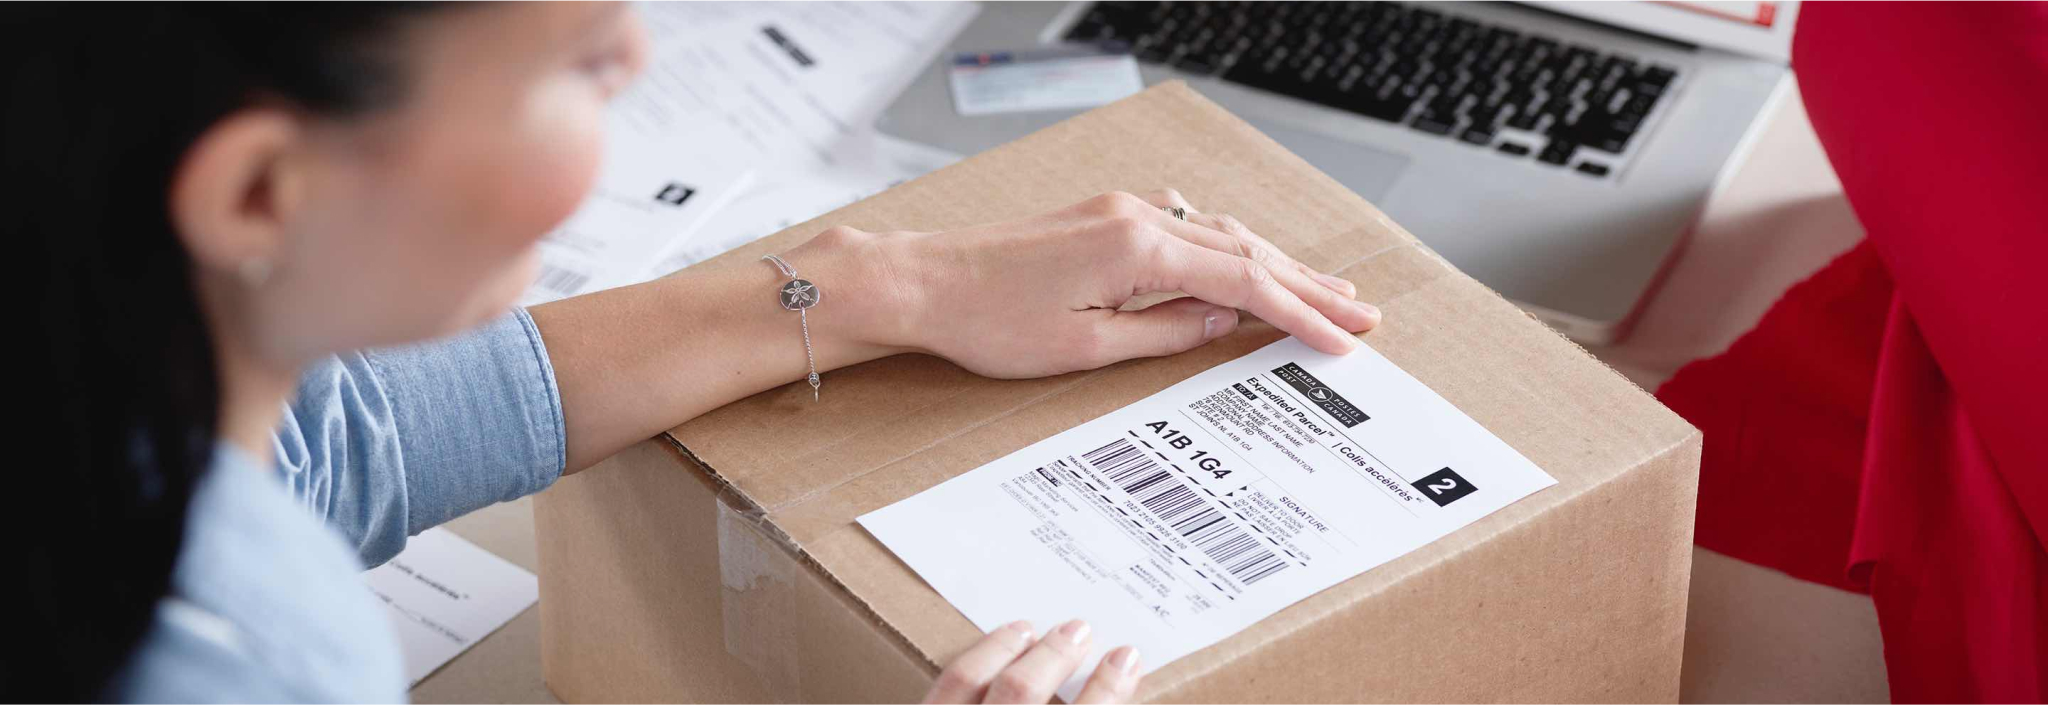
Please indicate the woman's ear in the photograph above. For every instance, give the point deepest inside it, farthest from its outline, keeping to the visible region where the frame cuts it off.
(235, 192)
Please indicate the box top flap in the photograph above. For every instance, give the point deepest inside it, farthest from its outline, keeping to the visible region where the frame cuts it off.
(891, 428)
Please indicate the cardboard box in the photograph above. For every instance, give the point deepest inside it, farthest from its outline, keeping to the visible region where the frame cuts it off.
(721, 561)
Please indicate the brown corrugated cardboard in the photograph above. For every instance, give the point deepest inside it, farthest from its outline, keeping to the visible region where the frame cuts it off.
(721, 562)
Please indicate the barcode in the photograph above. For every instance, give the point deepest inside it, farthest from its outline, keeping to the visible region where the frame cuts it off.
(1180, 507)
(561, 280)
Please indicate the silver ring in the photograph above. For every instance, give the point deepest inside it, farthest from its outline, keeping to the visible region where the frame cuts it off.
(1175, 211)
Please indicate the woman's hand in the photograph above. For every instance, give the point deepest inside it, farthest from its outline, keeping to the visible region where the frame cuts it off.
(1009, 666)
(1040, 296)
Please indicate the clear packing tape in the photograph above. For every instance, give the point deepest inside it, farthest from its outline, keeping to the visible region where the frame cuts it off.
(758, 599)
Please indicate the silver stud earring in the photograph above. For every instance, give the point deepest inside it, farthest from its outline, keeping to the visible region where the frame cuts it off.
(255, 271)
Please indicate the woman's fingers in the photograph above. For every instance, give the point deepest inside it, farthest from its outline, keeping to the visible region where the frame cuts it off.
(966, 679)
(1233, 281)
(1334, 297)
(1115, 679)
(1250, 242)
(1340, 308)
(1004, 286)
(1230, 235)
(1008, 666)
(1033, 676)
(1166, 198)
(1163, 328)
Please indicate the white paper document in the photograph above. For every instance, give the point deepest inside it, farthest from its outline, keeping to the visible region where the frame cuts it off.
(1176, 521)
(799, 86)
(651, 193)
(444, 594)
(783, 199)
(749, 118)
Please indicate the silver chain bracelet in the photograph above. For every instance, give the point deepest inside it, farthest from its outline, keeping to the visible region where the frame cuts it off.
(799, 295)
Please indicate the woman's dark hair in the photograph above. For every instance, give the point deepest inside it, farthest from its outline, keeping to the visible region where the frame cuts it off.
(102, 101)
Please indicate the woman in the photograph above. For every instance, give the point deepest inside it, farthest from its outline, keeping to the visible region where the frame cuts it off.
(1891, 405)
(224, 200)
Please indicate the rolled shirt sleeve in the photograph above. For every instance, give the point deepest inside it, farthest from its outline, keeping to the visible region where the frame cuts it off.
(385, 444)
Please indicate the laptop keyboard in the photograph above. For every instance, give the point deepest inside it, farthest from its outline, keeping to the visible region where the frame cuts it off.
(1520, 94)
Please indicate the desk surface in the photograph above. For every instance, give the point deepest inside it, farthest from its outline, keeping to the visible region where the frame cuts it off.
(1752, 634)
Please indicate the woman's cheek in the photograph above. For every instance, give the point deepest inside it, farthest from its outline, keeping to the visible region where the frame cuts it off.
(504, 292)
(567, 152)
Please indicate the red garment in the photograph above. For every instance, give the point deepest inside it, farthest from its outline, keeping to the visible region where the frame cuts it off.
(1882, 429)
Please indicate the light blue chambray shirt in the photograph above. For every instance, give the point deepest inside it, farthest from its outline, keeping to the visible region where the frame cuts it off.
(267, 602)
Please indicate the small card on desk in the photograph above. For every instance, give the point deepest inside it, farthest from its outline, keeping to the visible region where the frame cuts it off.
(1057, 78)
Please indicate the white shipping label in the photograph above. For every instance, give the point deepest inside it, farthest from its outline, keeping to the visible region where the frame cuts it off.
(1176, 521)
(1063, 78)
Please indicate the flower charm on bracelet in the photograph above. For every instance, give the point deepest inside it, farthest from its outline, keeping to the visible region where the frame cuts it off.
(799, 294)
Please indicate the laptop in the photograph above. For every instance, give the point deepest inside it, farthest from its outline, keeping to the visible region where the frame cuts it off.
(1557, 152)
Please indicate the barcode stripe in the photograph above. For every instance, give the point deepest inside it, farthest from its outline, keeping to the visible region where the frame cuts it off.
(1170, 498)
(561, 280)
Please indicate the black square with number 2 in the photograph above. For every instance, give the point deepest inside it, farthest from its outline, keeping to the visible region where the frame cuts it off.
(1444, 487)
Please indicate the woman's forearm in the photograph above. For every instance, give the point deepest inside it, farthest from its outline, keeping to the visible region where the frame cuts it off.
(1025, 298)
(636, 361)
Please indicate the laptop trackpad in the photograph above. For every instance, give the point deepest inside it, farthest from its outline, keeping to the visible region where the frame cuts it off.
(1366, 171)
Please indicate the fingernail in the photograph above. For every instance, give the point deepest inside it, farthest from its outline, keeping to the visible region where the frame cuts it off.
(1347, 341)
(1336, 284)
(1124, 660)
(1074, 633)
(1372, 313)
(1022, 629)
(1218, 323)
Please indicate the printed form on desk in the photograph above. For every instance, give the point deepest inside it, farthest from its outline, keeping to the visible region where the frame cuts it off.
(1176, 521)
(751, 117)
(445, 594)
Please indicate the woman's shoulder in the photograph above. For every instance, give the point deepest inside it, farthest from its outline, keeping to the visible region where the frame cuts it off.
(267, 605)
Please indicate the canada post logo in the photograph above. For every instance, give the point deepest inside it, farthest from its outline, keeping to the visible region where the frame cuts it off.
(1335, 405)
